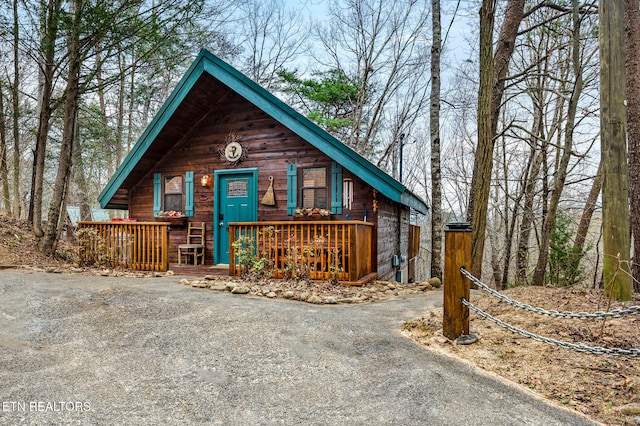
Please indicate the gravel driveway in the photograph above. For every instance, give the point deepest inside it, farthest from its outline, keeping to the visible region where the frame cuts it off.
(76, 349)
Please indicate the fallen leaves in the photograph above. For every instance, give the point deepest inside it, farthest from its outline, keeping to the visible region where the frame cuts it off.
(595, 385)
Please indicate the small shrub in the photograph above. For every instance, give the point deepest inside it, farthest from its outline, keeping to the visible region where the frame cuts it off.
(296, 264)
(251, 266)
(92, 248)
(565, 268)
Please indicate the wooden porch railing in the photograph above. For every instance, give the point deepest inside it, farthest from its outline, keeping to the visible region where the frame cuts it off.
(341, 250)
(136, 245)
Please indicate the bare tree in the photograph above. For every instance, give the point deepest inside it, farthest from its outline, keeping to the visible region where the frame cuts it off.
(585, 220)
(15, 97)
(434, 128)
(272, 36)
(4, 172)
(381, 45)
(561, 171)
(48, 34)
(483, 164)
(71, 92)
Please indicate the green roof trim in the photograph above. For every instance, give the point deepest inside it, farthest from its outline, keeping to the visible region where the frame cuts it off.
(270, 104)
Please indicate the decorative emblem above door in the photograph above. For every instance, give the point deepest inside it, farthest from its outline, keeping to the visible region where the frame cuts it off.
(233, 152)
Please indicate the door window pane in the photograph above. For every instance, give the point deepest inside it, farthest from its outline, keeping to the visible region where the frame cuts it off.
(237, 188)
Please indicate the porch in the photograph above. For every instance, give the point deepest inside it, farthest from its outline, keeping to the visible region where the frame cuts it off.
(318, 250)
(140, 246)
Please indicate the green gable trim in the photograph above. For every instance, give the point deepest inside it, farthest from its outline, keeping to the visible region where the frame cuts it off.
(151, 132)
(287, 116)
(310, 132)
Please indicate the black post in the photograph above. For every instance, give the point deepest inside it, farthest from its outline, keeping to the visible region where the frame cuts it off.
(401, 137)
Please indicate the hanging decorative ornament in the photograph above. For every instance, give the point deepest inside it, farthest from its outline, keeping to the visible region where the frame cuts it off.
(233, 151)
(269, 198)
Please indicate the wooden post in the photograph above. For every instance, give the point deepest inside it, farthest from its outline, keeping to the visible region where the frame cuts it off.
(457, 254)
(616, 240)
(232, 250)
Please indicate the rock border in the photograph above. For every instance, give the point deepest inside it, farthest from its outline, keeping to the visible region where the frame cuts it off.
(314, 292)
(318, 293)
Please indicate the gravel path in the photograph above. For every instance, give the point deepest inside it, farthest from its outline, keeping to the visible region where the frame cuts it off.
(106, 351)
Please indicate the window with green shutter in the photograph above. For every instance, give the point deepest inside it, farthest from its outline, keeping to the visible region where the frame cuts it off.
(173, 193)
(313, 188)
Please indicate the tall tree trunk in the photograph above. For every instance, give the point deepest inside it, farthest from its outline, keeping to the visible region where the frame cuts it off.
(615, 190)
(4, 172)
(632, 26)
(561, 172)
(47, 47)
(583, 227)
(493, 232)
(130, 109)
(15, 96)
(526, 225)
(80, 180)
(514, 204)
(529, 190)
(434, 128)
(120, 118)
(68, 132)
(104, 120)
(494, 70)
(495, 259)
(504, 51)
(479, 195)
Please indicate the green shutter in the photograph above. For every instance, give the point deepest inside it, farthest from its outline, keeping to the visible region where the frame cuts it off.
(336, 188)
(188, 205)
(157, 193)
(292, 189)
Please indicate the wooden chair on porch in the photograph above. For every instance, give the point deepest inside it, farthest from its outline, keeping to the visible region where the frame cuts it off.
(195, 245)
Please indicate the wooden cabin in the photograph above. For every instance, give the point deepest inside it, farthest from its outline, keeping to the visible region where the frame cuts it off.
(225, 152)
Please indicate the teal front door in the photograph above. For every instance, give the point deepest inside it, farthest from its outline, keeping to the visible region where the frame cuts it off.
(236, 201)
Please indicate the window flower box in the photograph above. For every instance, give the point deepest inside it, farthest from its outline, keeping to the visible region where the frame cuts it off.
(312, 214)
(173, 217)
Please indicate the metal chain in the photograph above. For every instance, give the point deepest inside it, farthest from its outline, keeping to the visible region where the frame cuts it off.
(597, 316)
(632, 353)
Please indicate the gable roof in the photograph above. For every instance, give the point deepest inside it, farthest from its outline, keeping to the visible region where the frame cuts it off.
(208, 64)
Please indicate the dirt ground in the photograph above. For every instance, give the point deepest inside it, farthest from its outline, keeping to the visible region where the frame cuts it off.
(18, 246)
(604, 388)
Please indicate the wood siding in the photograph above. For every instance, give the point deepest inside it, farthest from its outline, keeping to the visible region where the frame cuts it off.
(392, 236)
(269, 147)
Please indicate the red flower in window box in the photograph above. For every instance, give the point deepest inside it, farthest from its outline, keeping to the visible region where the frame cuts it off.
(314, 213)
(171, 216)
